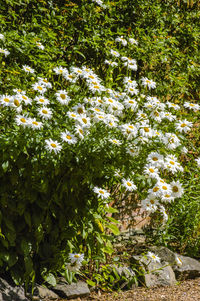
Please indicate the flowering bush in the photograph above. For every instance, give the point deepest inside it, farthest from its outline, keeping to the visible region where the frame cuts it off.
(72, 137)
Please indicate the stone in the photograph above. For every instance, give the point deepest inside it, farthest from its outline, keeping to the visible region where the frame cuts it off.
(10, 293)
(189, 269)
(165, 254)
(43, 292)
(152, 273)
(74, 290)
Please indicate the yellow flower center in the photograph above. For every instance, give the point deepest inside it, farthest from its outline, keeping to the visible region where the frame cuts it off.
(76, 256)
(101, 191)
(151, 169)
(23, 120)
(6, 99)
(175, 189)
(68, 137)
(155, 159)
(91, 76)
(146, 129)
(171, 162)
(73, 115)
(96, 87)
(63, 96)
(44, 111)
(164, 187)
(130, 127)
(155, 189)
(53, 145)
(35, 122)
(129, 184)
(24, 97)
(16, 102)
(84, 120)
(80, 110)
(152, 202)
(41, 100)
(39, 88)
(183, 125)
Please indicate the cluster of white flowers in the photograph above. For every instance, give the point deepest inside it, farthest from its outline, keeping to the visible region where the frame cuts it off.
(131, 119)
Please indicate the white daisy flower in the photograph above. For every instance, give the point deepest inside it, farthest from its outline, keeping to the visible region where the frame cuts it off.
(39, 45)
(22, 120)
(155, 159)
(84, 120)
(121, 40)
(111, 63)
(53, 146)
(4, 51)
(68, 137)
(184, 126)
(45, 113)
(41, 100)
(114, 53)
(25, 99)
(115, 141)
(151, 171)
(102, 193)
(173, 105)
(177, 189)
(148, 83)
(79, 108)
(133, 151)
(131, 90)
(80, 131)
(72, 115)
(153, 257)
(146, 131)
(191, 106)
(28, 69)
(73, 267)
(170, 140)
(34, 124)
(44, 82)
(61, 71)
(6, 100)
(133, 41)
(76, 257)
(129, 185)
(198, 161)
(62, 97)
(39, 88)
(178, 261)
(131, 65)
(72, 78)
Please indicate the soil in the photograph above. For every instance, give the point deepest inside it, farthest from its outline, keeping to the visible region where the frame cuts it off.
(188, 290)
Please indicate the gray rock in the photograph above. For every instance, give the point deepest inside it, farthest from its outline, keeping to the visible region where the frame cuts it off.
(74, 290)
(189, 269)
(43, 292)
(152, 273)
(9, 293)
(165, 254)
(159, 275)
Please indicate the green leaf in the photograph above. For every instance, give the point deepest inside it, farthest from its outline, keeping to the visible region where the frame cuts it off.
(50, 279)
(113, 228)
(91, 283)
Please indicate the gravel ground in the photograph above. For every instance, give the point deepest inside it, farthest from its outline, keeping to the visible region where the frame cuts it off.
(188, 290)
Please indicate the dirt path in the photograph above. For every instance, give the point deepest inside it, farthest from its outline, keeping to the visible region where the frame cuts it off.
(188, 290)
